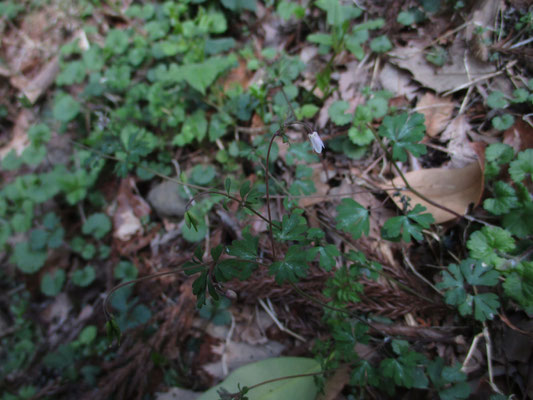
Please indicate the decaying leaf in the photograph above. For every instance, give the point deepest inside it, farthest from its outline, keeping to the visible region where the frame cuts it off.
(450, 75)
(437, 112)
(19, 139)
(397, 81)
(519, 136)
(130, 208)
(455, 189)
(460, 151)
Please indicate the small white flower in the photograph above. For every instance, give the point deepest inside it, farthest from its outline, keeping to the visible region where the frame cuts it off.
(316, 142)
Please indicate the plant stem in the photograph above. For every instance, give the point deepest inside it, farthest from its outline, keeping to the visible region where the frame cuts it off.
(268, 196)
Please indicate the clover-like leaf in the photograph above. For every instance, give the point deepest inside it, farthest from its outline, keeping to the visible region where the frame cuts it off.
(504, 199)
(404, 227)
(97, 225)
(486, 243)
(404, 132)
(293, 227)
(523, 165)
(353, 218)
(293, 267)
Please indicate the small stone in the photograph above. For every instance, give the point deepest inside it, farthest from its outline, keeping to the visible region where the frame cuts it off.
(166, 200)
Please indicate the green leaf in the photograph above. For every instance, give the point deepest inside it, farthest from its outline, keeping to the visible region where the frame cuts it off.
(116, 41)
(293, 227)
(497, 100)
(337, 13)
(113, 331)
(499, 153)
(381, 44)
(327, 255)
(488, 242)
(203, 174)
(84, 277)
(28, 261)
(404, 131)
(337, 114)
(523, 165)
(399, 373)
(97, 225)
(51, 284)
(437, 56)
(271, 369)
(201, 75)
(476, 273)
(245, 248)
(287, 9)
(458, 391)
(39, 134)
(364, 374)
(87, 335)
(293, 267)
(520, 95)
(360, 135)
(453, 280)
(516, 221)
(503, 122)
(219, 45)
(194, 128)
(353, 218)
(194, 231)
(406, 18)
(321, 38)
(504, 199)
(405, 226)
(301, 151)
(125, 271)
(519, 285)
(65, 108)
(72, 73)
(485, 306)
(239, 5)
(93, 58)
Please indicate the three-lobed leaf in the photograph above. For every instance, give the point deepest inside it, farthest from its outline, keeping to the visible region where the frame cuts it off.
(353, 218)
(404, 132)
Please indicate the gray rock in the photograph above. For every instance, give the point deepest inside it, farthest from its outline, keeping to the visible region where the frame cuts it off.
(166, 201)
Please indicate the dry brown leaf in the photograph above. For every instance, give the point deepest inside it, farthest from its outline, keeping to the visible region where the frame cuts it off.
(397, 81)
(519, 136)
(460, 150)
(33, 88)
(437, 112)
(19, 139)
(130, 208)
(455, 189)
(450, 76)
(335, 383)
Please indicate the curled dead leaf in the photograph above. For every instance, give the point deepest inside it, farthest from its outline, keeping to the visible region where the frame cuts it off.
(455, 189)
(437, 112)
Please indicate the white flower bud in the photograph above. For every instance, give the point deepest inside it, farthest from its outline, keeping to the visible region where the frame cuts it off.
(316, 142)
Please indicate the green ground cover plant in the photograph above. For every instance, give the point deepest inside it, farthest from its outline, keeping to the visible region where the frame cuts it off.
(127, 104)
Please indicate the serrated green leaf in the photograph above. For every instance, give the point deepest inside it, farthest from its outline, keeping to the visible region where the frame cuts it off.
(245, 248)
(116, 41)
(327, 256)
(404, 227)
(504, 199)
(97, 225)
(337, 114)
(404, 131)
(486, 244)
(523, 165)
(477, 273)
(380, 44)
(84, 277)
(293, 267)
(497, 100)
(65, 108)
(353, 218)
(293, 227)
(51, 283)
(503, 122)
(485, 306)
(28, 261)
(453, 280)
(500, 153)
(337, 13)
